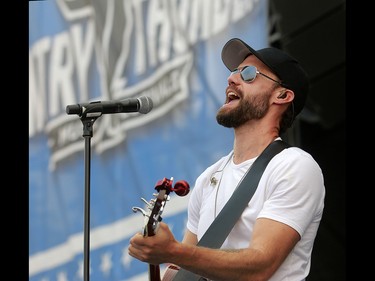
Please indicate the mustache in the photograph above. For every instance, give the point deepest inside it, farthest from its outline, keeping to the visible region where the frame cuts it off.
(234, 89)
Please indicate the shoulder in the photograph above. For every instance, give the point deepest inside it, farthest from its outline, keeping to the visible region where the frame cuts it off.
(294, 178)
(295, 165)
(295, 156)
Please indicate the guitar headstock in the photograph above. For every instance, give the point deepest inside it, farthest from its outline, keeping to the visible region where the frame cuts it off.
(155, 206)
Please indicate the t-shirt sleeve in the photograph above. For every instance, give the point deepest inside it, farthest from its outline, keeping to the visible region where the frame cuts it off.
(296, 190)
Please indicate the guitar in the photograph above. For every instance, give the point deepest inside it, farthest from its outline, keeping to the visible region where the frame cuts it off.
(155, 207)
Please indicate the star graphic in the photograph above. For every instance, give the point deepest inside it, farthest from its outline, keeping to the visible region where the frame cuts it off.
(61, 276)
(80, 270)
(126, 258)
(106, 263)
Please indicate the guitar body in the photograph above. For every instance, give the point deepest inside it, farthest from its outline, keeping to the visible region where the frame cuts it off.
(176, 274)
(155, 209)
(170, 272)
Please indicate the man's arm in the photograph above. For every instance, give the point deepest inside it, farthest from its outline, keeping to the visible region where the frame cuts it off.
(271, 243)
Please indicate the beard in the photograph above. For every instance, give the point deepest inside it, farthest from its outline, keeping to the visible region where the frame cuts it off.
(253, 108)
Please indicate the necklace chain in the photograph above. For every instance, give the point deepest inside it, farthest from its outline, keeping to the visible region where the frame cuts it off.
(215, 182)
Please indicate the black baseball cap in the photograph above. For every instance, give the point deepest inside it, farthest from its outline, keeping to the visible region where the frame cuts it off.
(287, 68)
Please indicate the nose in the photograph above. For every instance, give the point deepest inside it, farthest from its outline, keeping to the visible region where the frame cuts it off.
(234, 78)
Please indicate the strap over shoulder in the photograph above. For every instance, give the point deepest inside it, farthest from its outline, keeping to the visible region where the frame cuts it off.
(226, 219)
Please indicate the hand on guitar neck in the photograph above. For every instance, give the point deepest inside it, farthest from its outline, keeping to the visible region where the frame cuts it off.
(155, 208)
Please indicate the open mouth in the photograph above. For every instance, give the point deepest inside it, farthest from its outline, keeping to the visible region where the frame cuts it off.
(232, 96)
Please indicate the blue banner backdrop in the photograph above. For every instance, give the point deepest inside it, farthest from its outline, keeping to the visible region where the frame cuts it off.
(83, 51)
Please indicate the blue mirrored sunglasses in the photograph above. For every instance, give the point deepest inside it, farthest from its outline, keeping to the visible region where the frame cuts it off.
(248, 74)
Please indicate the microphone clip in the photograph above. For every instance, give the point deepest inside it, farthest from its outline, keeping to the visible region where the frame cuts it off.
(213, 181)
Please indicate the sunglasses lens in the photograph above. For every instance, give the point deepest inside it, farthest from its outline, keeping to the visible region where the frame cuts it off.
(248, 73)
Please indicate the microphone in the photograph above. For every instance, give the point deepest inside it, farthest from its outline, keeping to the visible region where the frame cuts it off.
(142, 105)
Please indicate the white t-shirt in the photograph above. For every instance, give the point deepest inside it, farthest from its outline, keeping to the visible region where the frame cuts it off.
(291, 191)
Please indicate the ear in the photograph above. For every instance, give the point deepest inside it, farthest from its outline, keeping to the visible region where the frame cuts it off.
(284, 96)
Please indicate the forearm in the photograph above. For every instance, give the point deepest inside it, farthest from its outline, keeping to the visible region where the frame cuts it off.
(256, 263)
(245, 264)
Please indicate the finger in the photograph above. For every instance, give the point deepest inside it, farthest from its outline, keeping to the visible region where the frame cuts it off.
(136, 239)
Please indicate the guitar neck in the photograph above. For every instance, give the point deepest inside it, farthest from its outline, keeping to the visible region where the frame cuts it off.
(153, 216)
(154, 272)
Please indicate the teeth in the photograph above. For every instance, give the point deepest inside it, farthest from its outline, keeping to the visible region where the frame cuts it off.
(232, 95)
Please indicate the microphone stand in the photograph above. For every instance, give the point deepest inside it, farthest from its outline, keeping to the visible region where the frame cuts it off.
(91, 112)
(88, 123)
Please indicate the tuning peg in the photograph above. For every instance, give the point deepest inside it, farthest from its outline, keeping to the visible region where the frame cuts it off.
(136, 209)
(181, 188)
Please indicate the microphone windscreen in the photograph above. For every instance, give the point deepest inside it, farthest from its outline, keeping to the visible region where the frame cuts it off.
(145, 104)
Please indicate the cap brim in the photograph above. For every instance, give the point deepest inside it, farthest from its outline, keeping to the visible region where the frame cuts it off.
(234, 52)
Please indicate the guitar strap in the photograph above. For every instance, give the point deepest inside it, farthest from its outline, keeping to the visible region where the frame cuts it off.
(216, 234)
